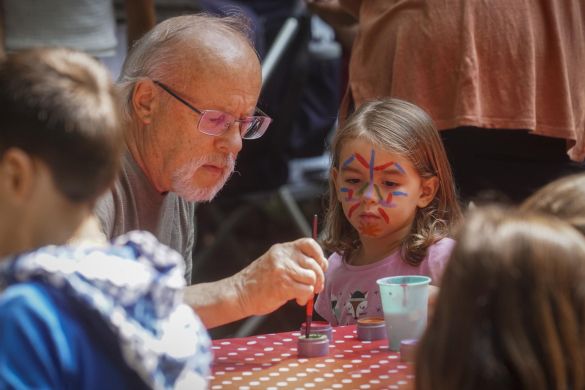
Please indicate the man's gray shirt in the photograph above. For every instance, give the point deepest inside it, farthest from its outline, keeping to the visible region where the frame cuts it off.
(134, 204)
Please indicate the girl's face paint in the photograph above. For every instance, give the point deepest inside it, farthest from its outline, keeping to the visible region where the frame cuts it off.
(378, 190)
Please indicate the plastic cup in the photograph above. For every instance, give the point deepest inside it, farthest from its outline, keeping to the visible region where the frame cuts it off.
(404, 301)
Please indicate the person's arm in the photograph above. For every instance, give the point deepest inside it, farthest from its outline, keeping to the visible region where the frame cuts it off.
(140, 18)
(293, 270)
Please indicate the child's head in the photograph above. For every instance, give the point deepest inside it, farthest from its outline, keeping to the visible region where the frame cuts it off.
(60, 143)
(390, 178)
(564, 198)
(511, 311)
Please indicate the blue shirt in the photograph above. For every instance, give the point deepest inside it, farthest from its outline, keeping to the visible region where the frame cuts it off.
(46, 343)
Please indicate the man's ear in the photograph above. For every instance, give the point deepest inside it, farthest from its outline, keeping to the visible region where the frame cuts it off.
(144, 100)
(17, 175)
(429, 188)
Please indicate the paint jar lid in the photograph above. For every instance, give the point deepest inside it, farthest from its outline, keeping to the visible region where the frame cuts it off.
(408, 350)
(371, 328)
(313, 346)
(319, 327)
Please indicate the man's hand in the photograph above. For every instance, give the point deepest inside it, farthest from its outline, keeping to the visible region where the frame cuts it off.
(293, 270)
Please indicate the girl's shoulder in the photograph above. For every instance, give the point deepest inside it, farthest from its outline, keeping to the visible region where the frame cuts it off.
(443, 246)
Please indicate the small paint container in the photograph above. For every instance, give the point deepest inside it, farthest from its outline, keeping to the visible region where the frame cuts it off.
(319, 327)
(371, 328)
(313, 346)
(408, 350)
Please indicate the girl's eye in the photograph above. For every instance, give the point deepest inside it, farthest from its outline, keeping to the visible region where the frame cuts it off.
(352, 181)
(390, 184)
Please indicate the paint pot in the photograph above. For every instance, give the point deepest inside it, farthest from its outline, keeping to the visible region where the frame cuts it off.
(371, 328)
(313, 346)
(319, 327)
(408, 350)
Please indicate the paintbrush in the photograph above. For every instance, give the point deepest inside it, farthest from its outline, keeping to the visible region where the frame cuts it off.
(310, 302)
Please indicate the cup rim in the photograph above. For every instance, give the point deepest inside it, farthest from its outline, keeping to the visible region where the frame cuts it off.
(423, 280)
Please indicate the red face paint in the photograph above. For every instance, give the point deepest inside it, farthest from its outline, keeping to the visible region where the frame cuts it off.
(383, 214)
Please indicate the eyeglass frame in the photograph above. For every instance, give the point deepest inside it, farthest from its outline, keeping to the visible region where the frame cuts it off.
(263, 115)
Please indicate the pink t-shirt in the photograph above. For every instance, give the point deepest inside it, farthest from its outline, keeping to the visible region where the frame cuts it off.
(351, 291)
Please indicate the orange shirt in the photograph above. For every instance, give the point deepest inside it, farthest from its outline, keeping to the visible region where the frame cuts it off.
(516, 64)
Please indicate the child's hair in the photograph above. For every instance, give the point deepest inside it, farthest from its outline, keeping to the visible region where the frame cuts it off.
(511, 312)
(564, 198)
(60, 106)
(404, 129)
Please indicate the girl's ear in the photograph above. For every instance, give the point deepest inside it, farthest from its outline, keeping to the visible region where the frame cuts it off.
(335, 173)
(429, 188)
(17, 175)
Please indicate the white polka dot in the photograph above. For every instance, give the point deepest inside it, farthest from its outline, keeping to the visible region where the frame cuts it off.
(269, 349)
(319, 380)
(285, 354)
(339, 341)
(402, 382)
(255, 383)
(278, 343)
(258, 354)
(302, 374)
(249, 359)
(237, 378)
(261, 337)
(337, 386)
(375, 366)
(242, 349)
(222, 358)
(230, 368)
(274, 374)
(375, 381)
(271, 388)
(346, 380)
(287, 340)
(219, 372)
(239, 364)
(383, 377)
(246, 373)
(393, 357)
(392, 371)
(303, 360)
(338, 370)
(349, 336)
(356, 361)
(256, 368)
(225, 343)
(309, 384)
(357, 346)
(232, 354)
(292, 379)
(401, 366)
(264, 378)
(293, 364)
(275, 359)
(328, 375)
(330, 360)
(215, 347)
(347, 366)
(281, 384)
(251, 342)
(226, 382)
(384, 361)
(366, 386)
(320, 365)
(339, 356)
(266, 365)
(217, 387)
(244, 387)
(284, 369)
(393, 387)
(366, 356)
(311, 369)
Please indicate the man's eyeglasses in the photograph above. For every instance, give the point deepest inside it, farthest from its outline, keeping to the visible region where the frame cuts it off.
(213, 122)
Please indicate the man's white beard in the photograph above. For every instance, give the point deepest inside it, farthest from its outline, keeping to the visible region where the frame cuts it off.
(182, 183)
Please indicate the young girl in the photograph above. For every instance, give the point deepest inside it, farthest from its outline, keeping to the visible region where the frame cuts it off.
(392, 204)
(511, 313)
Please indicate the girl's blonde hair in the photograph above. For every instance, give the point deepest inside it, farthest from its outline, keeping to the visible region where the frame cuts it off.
(404, 129)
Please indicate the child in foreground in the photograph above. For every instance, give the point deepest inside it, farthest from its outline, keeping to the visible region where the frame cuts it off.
(392, 205)
(511, 313)
(80, 317)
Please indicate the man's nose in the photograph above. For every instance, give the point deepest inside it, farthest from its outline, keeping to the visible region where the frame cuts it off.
(231, 140)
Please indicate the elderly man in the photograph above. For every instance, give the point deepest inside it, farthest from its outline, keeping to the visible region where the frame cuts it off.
(190, 88)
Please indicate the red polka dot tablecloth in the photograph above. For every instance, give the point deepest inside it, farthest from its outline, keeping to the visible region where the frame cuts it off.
(270, 362)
